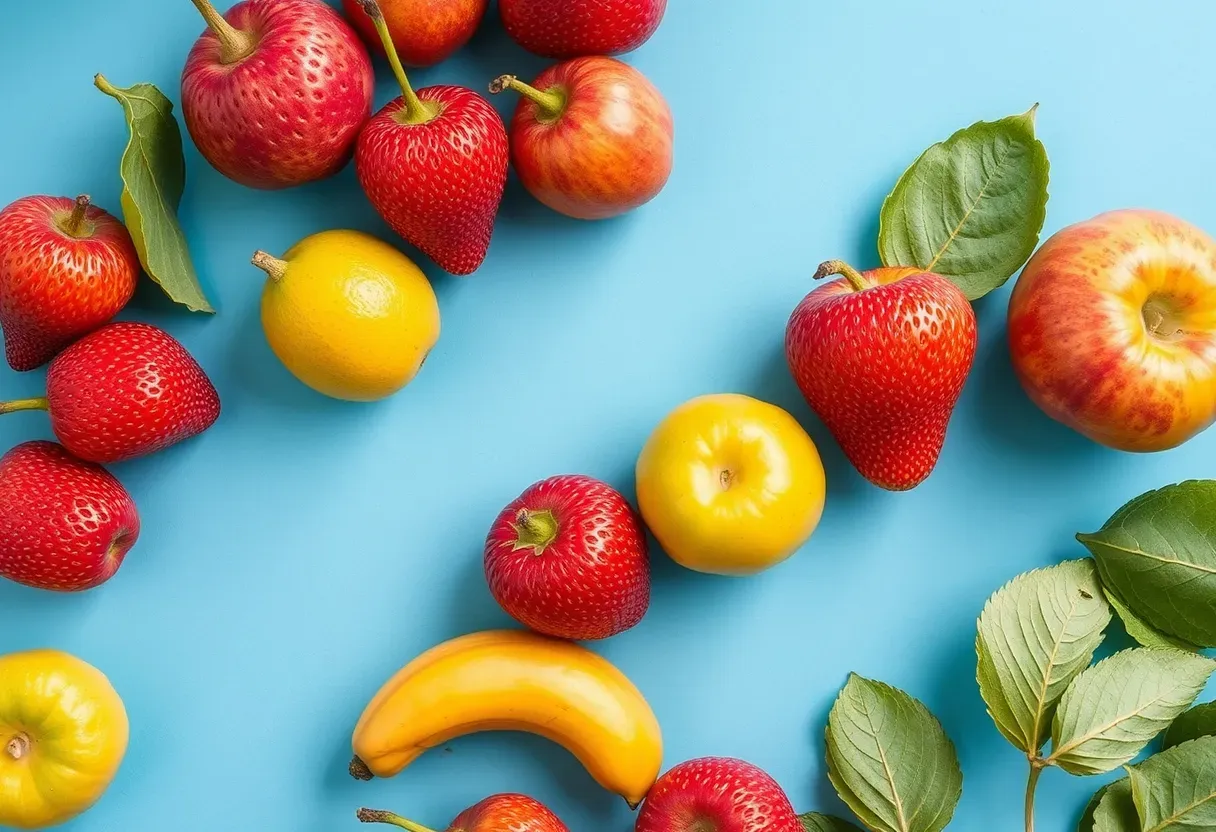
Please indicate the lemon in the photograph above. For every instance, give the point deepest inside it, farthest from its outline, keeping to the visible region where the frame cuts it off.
(349, 315)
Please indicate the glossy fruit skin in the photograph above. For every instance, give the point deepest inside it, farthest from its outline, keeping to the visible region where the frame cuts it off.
(438, 184)
(55, 286)
(288, 113)
(128, 390)
(425, 32)
(730, 485)
(509, 680)
(589, 578)
(65, 524)
(610, 150)
(575, 28)
(63, 735)
(1081, 331)
(718, 793)
(353, 318)
(883, 368)
(499, 813)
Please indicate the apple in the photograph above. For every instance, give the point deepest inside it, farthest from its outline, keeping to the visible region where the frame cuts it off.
(1112, 329)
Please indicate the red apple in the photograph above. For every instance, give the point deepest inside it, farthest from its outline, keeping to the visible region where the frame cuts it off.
(1112, 328)
(717, 794)
(591, 138)
(500, 813)
(425, 32)
(572, 28)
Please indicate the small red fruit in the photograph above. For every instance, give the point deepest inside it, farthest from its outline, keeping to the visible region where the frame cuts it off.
(434, 165)
(65, 525)
(882, 358)
(573, 28)
(274, 93)
(720, 794)
(569, 559)
(127, 390)
(66, 268)
(501, 813)
(425, 32)
(591, 137)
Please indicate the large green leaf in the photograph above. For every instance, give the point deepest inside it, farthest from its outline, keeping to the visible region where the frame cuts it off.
(1035, 634)
(1199, 721)
(1114, 811)
(971, 207)
(1158, 555)
(1113, 709)
(1176, 789)
(815, 822)
(890, 760)
(1145, 634)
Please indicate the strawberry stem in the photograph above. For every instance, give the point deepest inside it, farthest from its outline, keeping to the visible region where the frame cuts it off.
(273, 266)
(377, 816)
(535, 530)
(416, 111)
(234, 44)
(856, 279)
(73, 225)
(550, 102)
(39, 403)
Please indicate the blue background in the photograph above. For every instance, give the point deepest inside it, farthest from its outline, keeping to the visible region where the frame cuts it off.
(303, 549)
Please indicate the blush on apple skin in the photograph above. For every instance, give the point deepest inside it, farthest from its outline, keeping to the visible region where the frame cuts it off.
(1112, 329)
(425, 32)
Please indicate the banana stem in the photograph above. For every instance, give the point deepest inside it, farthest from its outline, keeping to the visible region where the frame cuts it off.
(39, 403)
(377, 816)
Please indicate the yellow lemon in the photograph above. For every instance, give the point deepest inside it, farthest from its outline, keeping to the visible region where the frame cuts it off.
(348, 314)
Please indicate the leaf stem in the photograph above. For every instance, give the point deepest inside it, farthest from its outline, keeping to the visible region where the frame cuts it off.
(856, 279)
(416, 111)
(234, 44)
(1032, 783)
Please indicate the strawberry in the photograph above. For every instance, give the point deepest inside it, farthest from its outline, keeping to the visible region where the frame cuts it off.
(882, 358)
(578, 28)
(569, 559)
(127, 390)
(500, 813)
(434, 165)
(66, 268)
(65, 525)
(720, 794)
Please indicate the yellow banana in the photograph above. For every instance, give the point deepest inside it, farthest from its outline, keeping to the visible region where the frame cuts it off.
(506, 680)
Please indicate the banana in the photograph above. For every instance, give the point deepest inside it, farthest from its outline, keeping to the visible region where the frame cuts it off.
(506, 680)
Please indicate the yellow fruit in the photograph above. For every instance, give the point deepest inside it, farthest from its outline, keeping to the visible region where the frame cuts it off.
(507, 680)
(349, 315)
(63, 734)
(730, 485)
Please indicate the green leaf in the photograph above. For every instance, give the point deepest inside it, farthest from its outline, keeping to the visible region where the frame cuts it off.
(1157, 554)
(1111, 711)
(1145, 634)
(1114, 810)
(971, 207)
(1176, 789)
(890, 760)
(1036, 633)
(153, 179)
(1199, 721)
(815, 822)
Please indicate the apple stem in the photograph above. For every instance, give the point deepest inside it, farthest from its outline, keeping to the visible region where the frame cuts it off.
(536, 529)
(39, 403)
(416, 110)
(273, 266)
(234, 44)
(359, 770)
(18, 746)
(74, 224)
(377, 816)
(550, 102)
(831, 267)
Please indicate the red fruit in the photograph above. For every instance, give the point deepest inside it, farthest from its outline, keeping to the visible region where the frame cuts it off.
(274, 93)
(65, 524)
(501, 813)
(569, 559)
(591, 138)
(572, 28)
(127, 390)
(882, 358)
(719, 794)
(425, 32)
(434, 165)
(66, 268)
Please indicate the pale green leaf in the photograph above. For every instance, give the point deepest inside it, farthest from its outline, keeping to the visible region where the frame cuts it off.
(890, 760)
(1176, 789)
(1112, 710)
(972, 207)
(1145, 634)
(1199, 721)
(815, 822)
(1036, 633)
(1114, 810)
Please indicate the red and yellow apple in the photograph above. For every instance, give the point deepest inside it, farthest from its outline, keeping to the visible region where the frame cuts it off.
(1112, 327)
(425, 32)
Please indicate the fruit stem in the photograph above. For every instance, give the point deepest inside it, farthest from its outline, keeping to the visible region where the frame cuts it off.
(550, 102)
(416, 111)
(535, 529)
(856, 279)
(18, 746)
(359, 770)
(1036, 770)
(39, 403)
(273, 266)
(234, 44)
(74, 224)
(377, 816)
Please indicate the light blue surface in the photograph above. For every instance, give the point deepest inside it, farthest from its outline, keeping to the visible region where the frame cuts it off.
(301, 551)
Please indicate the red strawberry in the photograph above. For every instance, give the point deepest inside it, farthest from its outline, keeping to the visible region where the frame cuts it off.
(66, 268)
(882, 358)
(569, 559)
(65, 525)
(127, 390)
(576, 28)
(503, 812)
(719, 794)
(434, 165)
